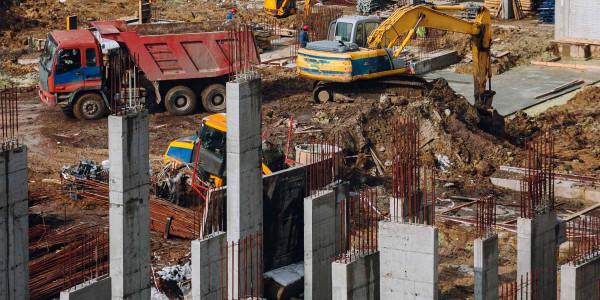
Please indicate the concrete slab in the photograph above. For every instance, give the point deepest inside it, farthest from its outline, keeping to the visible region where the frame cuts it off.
(319, 244)
(486, 268)
(580, 282)
(516, 89)
(206, 267)
(356, 280)
(92, 289)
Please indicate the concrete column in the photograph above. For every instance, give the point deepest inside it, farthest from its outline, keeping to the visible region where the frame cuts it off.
(580, 282)
(129, 206)
(93, 289)
(486, 268)
(14, 225)
(507, 9)
(356, 280)
(409, 261)
(319, 244)
(536, 251)
(206, 266)
(244, 172)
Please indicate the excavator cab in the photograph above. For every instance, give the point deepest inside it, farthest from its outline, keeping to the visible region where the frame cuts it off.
(280, 8)
(208, 146)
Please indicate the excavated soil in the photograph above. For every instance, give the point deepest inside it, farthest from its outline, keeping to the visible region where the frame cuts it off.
(576, 127)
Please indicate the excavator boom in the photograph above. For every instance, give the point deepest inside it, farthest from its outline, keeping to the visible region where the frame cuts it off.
(405, 20)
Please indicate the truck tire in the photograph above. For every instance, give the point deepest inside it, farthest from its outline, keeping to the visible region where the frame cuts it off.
(89, 106)
(213, 98)
(180, 100)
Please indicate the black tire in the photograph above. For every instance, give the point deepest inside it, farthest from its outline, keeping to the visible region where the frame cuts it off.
(180, 100)
(322, 94)
(213, 98)
(89, 106)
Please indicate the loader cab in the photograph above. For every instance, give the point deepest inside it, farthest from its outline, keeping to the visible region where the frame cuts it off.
(352, 29)
(71, 62)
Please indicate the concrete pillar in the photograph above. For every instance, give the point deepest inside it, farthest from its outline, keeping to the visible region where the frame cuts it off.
(319, 244)
(129, 206)
(92, 289)
(206, 267)
(244, 172)
(507, 9)
(486, 268)
(536, 251)
(580, 282)
(14, 225)
(409, 261)
(356, 280)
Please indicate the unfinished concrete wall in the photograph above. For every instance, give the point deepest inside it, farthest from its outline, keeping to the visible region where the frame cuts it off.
(319, 244)
(14, 225)
(580, 282)
(283, 196)
(206, 266)
(409, 261)
(536, 251)
(129, 206)
(93, 289)
(486, 268)
(577, 19)
(356, 280)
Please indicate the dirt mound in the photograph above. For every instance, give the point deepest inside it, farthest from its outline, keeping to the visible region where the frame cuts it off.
(576, 126)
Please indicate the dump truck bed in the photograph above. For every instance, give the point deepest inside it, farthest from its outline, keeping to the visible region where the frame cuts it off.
(175, 51)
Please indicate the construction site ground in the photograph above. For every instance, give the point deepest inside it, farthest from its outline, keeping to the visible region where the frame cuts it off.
(466, 154)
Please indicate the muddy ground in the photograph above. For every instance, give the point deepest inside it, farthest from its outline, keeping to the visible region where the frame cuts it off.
(452, 137)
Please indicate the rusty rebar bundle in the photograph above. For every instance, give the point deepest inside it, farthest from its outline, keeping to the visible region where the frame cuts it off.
(358, 226)
(325, 164)
(241, 47)
(124, 82)
(9, 117)
(411, 201)
(537, 186)
(485, 216)
(82, 255)
(583, 236)
(524, 289)
(244, 258)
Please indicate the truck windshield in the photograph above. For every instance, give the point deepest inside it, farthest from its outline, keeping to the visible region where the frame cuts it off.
(48, 54)
(343, 31)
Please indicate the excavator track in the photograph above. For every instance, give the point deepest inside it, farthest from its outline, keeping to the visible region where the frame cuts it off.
(325, 91)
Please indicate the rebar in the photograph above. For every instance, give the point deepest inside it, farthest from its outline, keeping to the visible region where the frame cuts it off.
(9, 117)
(485, 216)
(124, 82)
(537, 186)
(523, 288)
(243, 258)
(326, 164)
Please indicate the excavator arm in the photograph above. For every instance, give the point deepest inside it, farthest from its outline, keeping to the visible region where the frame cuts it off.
(408, 19)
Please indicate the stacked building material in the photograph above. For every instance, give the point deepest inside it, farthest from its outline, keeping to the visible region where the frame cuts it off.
(367, 6)
(546, 12)
(527, 7)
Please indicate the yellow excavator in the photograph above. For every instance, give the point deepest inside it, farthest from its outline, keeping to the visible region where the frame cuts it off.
(366, 48)
(283, 8)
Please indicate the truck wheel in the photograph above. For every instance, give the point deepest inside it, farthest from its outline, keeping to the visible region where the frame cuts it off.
(180, 100)
(213, 98)
(322, 94)
(89, 107)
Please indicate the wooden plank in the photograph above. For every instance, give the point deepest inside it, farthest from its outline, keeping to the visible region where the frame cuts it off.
(582, 212)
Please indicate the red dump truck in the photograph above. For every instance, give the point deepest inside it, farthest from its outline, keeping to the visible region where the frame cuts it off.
(182, 64)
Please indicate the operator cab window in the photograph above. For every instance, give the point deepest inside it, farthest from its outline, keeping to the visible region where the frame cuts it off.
(90, 57)
(343, 32)
(360, 37)
(369, 27)
(213, 140)
(68, 60)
